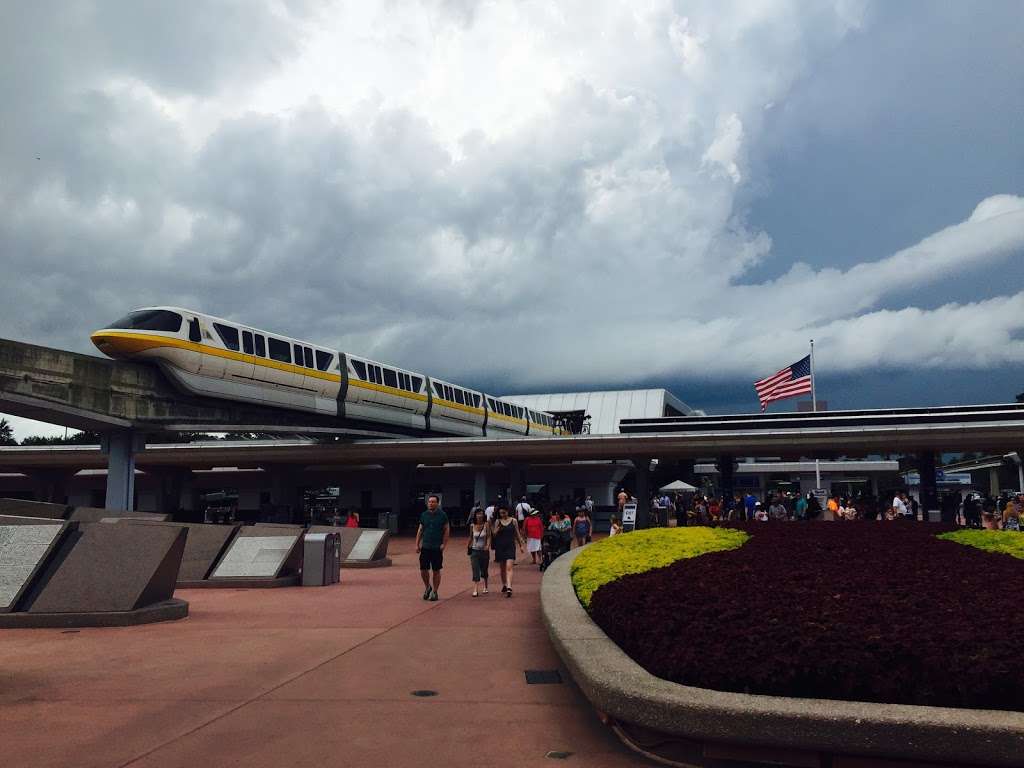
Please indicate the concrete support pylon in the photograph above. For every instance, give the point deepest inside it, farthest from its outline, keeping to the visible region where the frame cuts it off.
(120, 448)
(643, 492)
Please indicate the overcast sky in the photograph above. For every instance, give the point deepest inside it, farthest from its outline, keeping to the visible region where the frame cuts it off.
(534, 196)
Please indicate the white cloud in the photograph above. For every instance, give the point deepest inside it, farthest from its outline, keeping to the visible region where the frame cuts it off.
(522, 193)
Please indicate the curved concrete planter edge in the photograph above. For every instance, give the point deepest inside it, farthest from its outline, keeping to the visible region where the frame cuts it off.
(619, 687)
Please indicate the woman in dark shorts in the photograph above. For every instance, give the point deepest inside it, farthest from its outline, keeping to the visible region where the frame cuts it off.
(479, 548)
(505, 535)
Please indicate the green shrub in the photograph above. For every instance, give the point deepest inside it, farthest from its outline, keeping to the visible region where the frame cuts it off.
(1006, 542)
(640, 551)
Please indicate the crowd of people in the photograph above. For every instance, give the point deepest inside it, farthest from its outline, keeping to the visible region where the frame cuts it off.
(974, 510)
(497, 532)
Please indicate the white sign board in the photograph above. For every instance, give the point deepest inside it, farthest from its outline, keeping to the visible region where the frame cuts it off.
(629, 516)
(366, 545)
(255, 557)
(821, 494)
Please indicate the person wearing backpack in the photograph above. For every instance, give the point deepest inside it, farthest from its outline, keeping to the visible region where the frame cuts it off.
(581, 528)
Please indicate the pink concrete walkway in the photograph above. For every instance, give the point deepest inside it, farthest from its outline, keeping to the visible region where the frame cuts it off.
(304, 677)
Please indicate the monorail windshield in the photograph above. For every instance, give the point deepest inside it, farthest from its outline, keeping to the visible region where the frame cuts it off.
(149, 320)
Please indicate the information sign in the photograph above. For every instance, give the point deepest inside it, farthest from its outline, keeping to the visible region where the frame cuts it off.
(629, 516)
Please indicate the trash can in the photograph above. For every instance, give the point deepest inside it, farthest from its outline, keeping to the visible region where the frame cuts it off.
(334, 556)
(317, 556)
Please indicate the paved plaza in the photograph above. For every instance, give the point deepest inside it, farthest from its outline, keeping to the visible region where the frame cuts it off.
(316, 676)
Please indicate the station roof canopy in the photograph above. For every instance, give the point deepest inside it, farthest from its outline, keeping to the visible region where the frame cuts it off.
(606, 409)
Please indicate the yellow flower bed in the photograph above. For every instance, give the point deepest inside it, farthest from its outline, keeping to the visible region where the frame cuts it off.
(640, 551)
(1007, 542)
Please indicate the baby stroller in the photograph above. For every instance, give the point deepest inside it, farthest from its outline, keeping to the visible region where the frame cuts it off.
(551, 546)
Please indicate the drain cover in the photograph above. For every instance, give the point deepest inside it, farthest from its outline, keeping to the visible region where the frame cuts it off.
(542, 676)
(558, 755)
(424, 694)
(69, 632)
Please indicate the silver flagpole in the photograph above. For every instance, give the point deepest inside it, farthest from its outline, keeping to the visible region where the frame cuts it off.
(814, 407)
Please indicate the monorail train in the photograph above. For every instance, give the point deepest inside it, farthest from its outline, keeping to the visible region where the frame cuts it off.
(213, 357)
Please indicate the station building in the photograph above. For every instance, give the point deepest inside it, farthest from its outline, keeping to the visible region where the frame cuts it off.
(287, 493)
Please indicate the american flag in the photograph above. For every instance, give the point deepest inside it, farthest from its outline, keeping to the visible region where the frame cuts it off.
(789, 382)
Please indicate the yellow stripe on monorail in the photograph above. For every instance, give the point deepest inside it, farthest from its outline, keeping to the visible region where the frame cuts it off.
(141, 342)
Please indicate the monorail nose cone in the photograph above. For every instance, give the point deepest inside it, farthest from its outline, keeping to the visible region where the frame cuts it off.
(105, 343)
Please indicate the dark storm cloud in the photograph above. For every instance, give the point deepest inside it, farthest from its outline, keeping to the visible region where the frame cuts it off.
(591, 230)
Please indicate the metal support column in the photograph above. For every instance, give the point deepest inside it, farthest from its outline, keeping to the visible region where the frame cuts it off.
(993, 482)
(517, 483)
(50, 485)
(929, 495)
(170, 481)
(726, 465)
(643, 492)
(399, 482)
(286, 493)
(121, 447)
(480, 487)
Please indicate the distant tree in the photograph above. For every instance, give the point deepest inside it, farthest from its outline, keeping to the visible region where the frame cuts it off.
(78, 438)
(6, 433)
(192, 437)
(249, 436)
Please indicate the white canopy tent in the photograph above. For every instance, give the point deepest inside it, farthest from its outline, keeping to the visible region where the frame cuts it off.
(677, 486)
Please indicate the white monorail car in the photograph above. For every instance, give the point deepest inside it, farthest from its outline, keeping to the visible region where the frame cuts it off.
(214, 357)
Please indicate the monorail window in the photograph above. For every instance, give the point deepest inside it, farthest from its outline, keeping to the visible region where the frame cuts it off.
(298, 353)
(360, 369)
(490, 403)
(247, 345)
(437, 389)
(279, 350)
(390, 378)
(228, 335)
(460, 397)
(323, 360)
(449, 395)
(417, 382)
(149, 320)
(476, 401)
(261, 346)
(307, 353)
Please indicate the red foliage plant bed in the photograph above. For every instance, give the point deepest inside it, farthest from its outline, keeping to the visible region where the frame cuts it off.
(881, 612)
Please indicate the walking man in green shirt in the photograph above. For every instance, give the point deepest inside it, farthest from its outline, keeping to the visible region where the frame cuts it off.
(431, 539)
